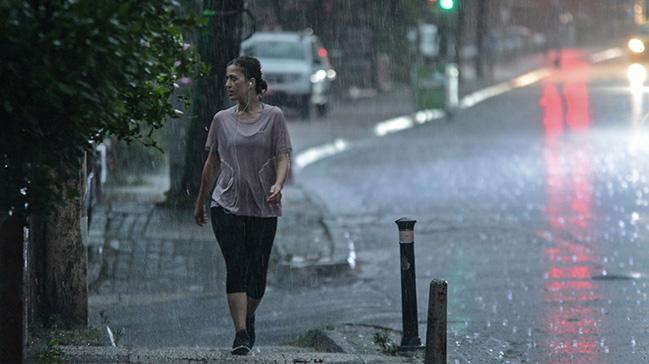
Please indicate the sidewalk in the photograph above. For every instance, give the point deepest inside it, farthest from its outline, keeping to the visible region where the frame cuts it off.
(348, 344)
(270, 355)
(140, 248)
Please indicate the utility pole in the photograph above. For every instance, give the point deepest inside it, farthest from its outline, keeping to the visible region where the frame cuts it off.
(447, 15)
(481, 32)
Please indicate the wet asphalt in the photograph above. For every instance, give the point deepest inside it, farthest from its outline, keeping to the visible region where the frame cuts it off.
(532, 205)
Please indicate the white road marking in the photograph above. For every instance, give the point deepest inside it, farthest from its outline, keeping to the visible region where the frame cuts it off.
(314, 154)
(317, 153)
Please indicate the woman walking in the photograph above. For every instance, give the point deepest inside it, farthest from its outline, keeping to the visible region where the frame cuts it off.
(246, 168)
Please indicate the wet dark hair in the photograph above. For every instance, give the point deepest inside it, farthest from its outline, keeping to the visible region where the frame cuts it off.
(251, 69)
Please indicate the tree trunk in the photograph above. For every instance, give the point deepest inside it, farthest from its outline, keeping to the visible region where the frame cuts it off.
(218, 43)
(36, 272)
(66, 262)
(12, 323)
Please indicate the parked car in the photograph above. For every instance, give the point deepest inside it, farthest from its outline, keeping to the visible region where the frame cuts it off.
(637, 46)
(296, 67)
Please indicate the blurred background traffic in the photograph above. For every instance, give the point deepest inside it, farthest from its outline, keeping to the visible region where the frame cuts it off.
(317, 55)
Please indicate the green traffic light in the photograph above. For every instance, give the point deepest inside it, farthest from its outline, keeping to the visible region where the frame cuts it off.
(447, 4)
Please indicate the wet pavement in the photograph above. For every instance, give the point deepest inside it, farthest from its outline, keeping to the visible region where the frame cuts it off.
(142, 249)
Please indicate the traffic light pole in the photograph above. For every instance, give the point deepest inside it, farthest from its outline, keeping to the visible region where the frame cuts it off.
(449, 18)
(444, 30)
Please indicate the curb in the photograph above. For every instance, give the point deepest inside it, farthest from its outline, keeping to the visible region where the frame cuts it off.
(322, 340)
(333, 259)
(356, 339)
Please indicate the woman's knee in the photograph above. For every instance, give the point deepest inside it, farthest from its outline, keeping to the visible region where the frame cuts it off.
(256, 291)
(236, 277)
(256, 282)
(235, 284)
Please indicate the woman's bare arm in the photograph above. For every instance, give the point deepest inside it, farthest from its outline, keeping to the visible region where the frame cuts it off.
(208, 177)
(283, 163)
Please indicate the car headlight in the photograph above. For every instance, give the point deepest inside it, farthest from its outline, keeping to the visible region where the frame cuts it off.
(319, 76)
(636, 45)
(637, 75)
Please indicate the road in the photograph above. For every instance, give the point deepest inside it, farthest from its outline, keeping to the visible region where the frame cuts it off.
(531, 204)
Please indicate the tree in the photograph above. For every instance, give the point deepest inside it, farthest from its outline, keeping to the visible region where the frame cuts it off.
(218, 43)
(73, 72)
(86, 69)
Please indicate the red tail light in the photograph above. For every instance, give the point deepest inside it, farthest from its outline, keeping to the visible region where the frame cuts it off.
(322, 52)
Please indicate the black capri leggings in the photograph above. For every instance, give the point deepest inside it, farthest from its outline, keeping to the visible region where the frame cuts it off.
(246, 243)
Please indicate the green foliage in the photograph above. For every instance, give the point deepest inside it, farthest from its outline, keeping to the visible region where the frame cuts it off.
(51, 354)
(382, 339)
(44, 342)
(105, 322)
(74, 71)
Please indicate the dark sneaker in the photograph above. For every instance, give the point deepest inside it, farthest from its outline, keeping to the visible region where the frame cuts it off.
(250, 327)
(241, 344)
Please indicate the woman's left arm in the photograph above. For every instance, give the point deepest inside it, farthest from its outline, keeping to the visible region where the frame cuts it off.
(283, 162)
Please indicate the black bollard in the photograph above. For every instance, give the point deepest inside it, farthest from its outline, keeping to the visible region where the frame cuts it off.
(436, 327)
(410, 340)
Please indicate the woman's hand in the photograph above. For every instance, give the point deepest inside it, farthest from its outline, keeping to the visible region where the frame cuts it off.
(275, 193)
(199, 214)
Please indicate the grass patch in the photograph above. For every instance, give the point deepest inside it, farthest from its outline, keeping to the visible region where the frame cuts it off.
(44, 342)
(389, 347)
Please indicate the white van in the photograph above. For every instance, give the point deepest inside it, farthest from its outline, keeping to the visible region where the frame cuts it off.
(296, 67)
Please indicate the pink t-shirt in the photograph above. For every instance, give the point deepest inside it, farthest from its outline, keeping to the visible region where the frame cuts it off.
(248, 151)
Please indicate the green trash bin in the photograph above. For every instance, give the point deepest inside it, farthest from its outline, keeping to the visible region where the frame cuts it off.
(430, 88)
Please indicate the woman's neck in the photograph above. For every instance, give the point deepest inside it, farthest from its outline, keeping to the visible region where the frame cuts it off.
(253, 105)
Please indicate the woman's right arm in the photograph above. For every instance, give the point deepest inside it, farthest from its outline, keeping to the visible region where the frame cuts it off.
(208, 177)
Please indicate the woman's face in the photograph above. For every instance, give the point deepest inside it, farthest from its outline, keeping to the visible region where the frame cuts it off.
(236, 84)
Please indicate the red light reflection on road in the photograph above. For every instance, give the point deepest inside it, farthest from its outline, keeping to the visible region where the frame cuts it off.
(574, 321)
(571, 326)
(565, 251)
(580, 272)
(561, 286)
(575, 347)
